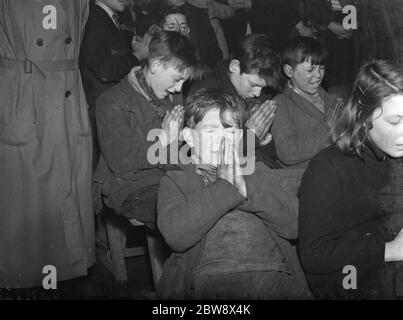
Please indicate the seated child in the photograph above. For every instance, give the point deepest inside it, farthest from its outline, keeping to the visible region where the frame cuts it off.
(300, 127)
(227, 231)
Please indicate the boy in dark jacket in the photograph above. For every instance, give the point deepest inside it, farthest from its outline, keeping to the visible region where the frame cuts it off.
(147, 99)
(227, 230)
(254, 67)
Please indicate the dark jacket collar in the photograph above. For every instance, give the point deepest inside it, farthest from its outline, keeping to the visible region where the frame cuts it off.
(222, 75)
(373, 152)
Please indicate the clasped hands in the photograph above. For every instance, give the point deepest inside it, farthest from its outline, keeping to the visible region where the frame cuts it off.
(261, 120)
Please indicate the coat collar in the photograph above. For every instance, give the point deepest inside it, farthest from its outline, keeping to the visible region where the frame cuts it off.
(221, 72)
(307, 107)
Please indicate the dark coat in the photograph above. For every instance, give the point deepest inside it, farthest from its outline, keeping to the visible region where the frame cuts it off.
(299, 130)
(203, 35)
(46, 212)
(349, 208)
(105, 55)
(275, 18)
(189, 209)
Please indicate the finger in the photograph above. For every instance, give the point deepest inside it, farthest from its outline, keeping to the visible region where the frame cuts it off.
(181, 118)
(253, 109)
(266, 140)
(264, 112)
(221, 150)
(230, 152)
(230, 160)
(270, 120)
(176, 111)
(165, 119)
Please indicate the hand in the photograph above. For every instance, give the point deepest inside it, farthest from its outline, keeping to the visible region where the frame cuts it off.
(140, 44)
(172, 124)
(229, 167)
(261, 120)
(339, 31)
(394, 248)
(140, 50)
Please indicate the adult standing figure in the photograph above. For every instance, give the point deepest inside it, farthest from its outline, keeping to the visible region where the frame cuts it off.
(351, 197)
(106, 55)
(45, 144)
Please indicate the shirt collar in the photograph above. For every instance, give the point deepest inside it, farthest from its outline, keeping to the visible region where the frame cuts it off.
(108, 10)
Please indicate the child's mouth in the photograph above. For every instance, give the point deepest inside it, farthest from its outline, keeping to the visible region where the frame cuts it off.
(315, 83)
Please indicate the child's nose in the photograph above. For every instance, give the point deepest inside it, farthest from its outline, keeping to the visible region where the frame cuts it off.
(316, 72)
(256, 91)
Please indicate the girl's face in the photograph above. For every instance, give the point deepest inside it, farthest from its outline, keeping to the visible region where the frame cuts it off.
(307, 77)
(176, 22)
(387, 126)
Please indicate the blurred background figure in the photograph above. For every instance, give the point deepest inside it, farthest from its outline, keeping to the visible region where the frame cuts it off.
(106, 54)
(327, 17)
(201, 32)
(174, 19)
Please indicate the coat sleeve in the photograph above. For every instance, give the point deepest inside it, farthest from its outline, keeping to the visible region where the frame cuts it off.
(295, 145)
(272, 195)
(107, 63)
(204, 37)
(124, 152)
(325, 245)
(185, 217)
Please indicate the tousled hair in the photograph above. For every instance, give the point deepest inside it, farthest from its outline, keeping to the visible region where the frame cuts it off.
(204, 100)
(257, 54)
(349, 124)
(301, 49)
(171, 47)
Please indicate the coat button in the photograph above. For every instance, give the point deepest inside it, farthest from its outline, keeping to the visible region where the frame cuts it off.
(39, 42)
(67, 93)
(68, 40)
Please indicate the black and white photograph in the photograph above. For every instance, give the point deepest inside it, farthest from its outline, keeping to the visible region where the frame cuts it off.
(201, 156)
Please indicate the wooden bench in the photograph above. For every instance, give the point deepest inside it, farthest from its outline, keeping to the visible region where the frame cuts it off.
(113, 256)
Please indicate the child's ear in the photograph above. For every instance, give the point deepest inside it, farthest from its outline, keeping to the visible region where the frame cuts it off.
(155, 65)
(288, 70)
(234, 66)
(187, 136)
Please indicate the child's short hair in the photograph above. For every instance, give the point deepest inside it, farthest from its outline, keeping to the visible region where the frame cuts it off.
(257, 53)
(204, 100)
(175, 48)
(301, 49)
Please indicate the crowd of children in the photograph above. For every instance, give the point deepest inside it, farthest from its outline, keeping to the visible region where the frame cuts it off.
(284, 184)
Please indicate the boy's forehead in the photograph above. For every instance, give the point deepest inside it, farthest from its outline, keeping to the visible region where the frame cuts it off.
(175, 71)
(212, 118)
(307, 63)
